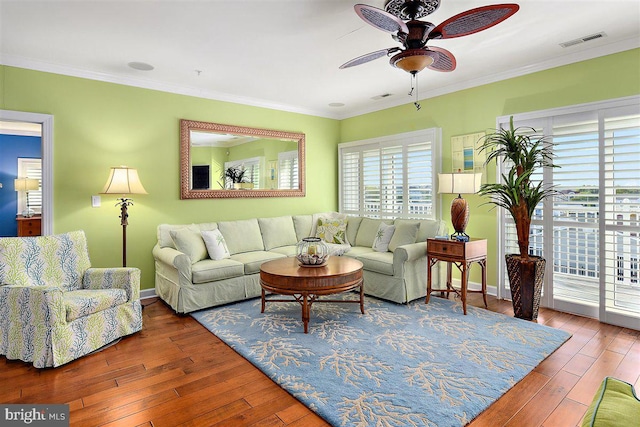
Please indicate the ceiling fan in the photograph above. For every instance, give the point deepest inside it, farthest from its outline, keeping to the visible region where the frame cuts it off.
(414, 55)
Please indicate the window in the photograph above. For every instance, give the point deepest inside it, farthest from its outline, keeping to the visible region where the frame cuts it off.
(390, 177)
(251, 167)
(589, 231)
(288, 167)
(30, 168)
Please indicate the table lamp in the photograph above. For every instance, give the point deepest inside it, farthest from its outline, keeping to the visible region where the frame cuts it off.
(459, 183)
(26, 185)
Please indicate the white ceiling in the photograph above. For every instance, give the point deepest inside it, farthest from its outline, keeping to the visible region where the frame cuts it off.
(285, 54)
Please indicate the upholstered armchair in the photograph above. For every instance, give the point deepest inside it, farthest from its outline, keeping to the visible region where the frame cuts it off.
(54, 307)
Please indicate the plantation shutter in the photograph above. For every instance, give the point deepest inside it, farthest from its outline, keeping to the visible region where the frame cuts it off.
(575, 209)
(251, 167)
(621, 157)
(419, 186)
(288, 166)
(30, 168)
(391, 178)
(391, 181)
(350, 174)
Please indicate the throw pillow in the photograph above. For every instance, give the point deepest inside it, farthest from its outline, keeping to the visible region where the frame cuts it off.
(216, 246)
(316, 217)
(332, 230)
(189, 242)
(405, 234)
(383, 237)
(615, 404)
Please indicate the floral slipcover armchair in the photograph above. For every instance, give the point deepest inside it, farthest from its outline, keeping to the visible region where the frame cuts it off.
(54, 307)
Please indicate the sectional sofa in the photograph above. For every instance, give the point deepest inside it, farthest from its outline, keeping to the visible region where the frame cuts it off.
(192, 274)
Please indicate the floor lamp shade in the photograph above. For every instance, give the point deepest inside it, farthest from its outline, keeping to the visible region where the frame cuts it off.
(459, 183)
(123, 180)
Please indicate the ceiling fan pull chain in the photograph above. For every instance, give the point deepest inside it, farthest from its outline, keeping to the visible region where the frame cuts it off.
(414, 85)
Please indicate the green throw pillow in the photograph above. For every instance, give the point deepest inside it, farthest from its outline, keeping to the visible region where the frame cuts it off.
(615, 404)
(332, 230)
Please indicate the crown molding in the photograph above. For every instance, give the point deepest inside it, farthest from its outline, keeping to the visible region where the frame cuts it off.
(47, 67)
(571, 58)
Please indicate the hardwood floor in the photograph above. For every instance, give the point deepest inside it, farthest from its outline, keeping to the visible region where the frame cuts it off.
(175, 373)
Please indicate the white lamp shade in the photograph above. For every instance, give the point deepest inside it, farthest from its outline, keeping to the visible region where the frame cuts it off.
(459, 183)
(26, 184)
(123, 180)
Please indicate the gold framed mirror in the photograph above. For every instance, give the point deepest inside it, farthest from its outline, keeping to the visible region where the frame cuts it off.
(226, 161)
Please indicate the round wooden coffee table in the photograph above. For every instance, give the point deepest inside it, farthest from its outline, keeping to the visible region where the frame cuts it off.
(285, 276)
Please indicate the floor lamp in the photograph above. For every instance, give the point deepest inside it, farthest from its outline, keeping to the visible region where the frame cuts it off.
(124, 180)
(459, 183)
(26, 185)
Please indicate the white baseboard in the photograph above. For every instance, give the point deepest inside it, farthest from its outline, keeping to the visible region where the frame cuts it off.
(148, 293)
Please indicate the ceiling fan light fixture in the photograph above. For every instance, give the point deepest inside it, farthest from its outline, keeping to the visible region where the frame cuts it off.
(412, 60)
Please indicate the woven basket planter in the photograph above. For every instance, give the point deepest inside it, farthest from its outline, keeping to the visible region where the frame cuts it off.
(526, 278)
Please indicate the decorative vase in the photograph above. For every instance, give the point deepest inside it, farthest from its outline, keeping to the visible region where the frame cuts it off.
(526, 278)
(312, 251)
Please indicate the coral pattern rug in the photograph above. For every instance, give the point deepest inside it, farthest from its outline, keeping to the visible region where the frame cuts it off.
(397, 365)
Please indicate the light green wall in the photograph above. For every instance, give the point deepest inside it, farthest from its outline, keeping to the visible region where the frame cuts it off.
(98, 125)
(475, 110)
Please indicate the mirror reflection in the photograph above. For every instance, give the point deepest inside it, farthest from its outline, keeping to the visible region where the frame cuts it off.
(231, 161)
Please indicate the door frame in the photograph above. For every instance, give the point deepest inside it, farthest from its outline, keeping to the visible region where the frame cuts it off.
(46, 121)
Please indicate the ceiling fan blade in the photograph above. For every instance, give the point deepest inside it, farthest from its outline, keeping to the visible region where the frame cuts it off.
(369, 57)
(443, 60)
(473, 21)
(380, 19)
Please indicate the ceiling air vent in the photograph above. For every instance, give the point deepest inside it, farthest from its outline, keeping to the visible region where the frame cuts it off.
(584, 39)
(384, 95)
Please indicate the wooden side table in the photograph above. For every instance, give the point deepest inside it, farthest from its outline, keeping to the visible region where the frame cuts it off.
(30, 226)
(462, 254)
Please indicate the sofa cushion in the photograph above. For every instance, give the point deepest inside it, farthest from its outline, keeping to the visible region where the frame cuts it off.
(353, 223)
(332, 230)
(277, 232)
(210, 270)
(164, 236)
(367, 231)
(380, 262)
(383, 237)
(286, 250)
(242, 236)
(356, 251)
(190, 243)
(253, 260)
(405, 234)
(302, 224)
(429, 228)
(615, 404)
(215, 243)
(84, 302)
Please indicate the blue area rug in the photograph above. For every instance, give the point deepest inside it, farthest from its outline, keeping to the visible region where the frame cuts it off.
(397, 365)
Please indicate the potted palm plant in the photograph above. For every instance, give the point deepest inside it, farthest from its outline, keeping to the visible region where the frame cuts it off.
(523, 153)
(235, 177)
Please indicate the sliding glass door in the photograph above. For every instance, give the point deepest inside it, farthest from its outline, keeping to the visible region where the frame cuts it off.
(589, 231)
